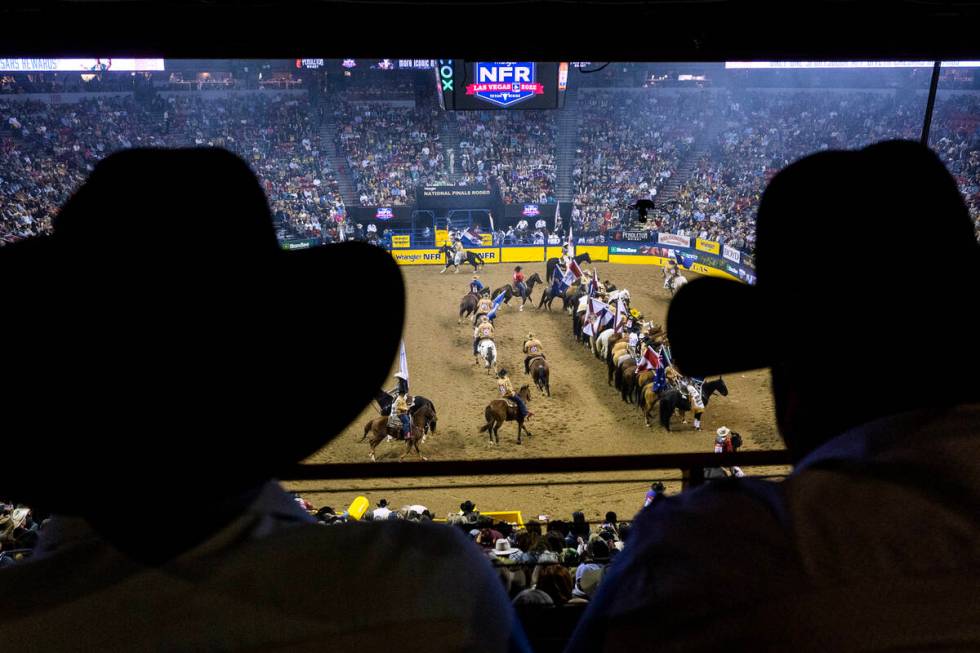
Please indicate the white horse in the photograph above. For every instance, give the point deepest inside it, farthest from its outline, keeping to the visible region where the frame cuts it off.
(602, 344)
(674, 283)
(623, 294)
(488, 352)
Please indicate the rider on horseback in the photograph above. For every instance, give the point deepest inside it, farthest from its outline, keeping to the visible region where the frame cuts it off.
(401, 410)
(507, 392)
(483, 307)
(460, 252)
(483, 331)
(476, 286)
(520, 286)
(692, 389)
(532, 350)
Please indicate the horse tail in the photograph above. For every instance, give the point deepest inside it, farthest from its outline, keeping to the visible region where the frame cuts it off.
(488, 415)
(618, 376)
(367, 428)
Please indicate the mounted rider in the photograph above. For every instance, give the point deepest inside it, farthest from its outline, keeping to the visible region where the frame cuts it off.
(532, 350)
(691, 389)
(520, 285)
(460, 251)
(401, 409)
(483, 331)
(507, 392)
(483, 306)
(671, 272)
(476, 286)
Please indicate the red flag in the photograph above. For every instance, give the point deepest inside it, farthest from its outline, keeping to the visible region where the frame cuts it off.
(576, 270)
(649, 361)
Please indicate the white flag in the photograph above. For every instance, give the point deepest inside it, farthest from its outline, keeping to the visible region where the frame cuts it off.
(403, 361)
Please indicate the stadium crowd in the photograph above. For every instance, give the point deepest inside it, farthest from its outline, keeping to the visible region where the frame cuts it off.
(390, 150)
(46, 150)
(518, 150)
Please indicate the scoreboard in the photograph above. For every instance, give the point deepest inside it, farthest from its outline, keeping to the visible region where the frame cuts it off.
(481, 85)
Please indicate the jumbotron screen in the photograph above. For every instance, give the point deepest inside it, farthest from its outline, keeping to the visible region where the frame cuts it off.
(480, 85)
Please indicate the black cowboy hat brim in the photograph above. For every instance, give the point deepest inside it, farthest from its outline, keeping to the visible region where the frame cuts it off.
(238, 385)
(718, 326)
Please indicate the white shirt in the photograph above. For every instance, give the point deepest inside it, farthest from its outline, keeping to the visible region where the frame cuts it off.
(694, 396)
(381, 513)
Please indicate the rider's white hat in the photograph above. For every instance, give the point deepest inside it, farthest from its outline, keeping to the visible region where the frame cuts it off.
(399, 375)
(722, 433)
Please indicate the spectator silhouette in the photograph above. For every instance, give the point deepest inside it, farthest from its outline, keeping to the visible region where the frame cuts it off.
(873, 542)
(156, 394)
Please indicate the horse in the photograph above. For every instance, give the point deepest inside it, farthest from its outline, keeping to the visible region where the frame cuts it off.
(624, 377)
(511, 291)
(488, 352)
(472, 258)
(553, 263)
(467, 306)
(385, 400)
(674, 283)
(500, 411)
(540, 373)
(605, 341)
(668, 403)
(379, 430)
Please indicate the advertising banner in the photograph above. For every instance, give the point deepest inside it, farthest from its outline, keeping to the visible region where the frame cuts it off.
(442, 235)
(521, 254)
(419, 257)
(709, 246)
(489, 254)
(300, 244)
(637, 235)
(674, 240)
(401, 241)
(486, 239)
(455, 197)
(732, 254)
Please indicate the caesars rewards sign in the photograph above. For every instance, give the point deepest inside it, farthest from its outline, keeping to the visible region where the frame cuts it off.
(504, 83)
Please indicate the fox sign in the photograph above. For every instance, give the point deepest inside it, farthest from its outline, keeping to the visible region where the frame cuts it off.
(504, 83)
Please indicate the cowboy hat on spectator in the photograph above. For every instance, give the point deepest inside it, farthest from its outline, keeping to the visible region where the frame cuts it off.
(159, 316)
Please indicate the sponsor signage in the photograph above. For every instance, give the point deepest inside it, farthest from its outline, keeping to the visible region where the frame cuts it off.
(401, 241)
(674, 239)
(709, 246)
(732, 269)
(619, 249)
(531, 211)
(419, 257)
(732, 254)
(416, 64)
(748, 261)
(311, 64)
(563, 76)
(384, 213)
(490, 255)
(504, 83)
(300, 244)
(80, 65)
(486, 239)
(636, 235)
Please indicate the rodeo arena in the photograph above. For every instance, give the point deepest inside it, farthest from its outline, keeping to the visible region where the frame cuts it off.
(540, 246)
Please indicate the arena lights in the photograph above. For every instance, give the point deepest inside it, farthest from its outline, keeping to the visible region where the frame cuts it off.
(761, 65)
(80, 65)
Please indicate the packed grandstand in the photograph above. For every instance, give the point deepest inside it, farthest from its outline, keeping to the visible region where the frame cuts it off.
(703, 154)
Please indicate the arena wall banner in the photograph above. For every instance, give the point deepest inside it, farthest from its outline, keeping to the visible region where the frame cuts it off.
(674, 240)
(442, 235)
(521, 254)
(595, 252)
(401, 242)
(732, 254)
(489, 254)
(486, 240)
(300, 244)
(419, 257)
(457, 197)
(709, 246)
(554, 251)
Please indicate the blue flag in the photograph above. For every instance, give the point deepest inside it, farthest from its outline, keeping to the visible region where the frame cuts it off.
(496, 304)
(684, 260)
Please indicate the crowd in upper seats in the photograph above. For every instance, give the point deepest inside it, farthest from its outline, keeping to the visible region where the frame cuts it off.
(630, 144)
(517, 150)
(391, 150)
(46, 150)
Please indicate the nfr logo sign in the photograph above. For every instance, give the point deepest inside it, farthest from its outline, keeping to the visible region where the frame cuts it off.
(504, 83)
(530, 211)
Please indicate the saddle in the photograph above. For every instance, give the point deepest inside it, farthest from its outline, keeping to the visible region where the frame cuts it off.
(394, 422)
(533, 357)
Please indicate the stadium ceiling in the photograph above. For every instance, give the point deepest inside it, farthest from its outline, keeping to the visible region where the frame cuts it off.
(619, 30)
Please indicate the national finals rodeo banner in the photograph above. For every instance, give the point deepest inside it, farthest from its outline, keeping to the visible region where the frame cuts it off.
(504, 83)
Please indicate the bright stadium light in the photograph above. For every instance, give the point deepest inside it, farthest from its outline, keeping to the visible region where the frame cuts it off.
(761, 65)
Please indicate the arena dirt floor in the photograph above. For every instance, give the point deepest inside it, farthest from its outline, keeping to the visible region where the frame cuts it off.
(583, 416)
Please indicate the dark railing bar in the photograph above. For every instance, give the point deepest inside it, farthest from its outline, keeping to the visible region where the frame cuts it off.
(467, 486)
(533, 466)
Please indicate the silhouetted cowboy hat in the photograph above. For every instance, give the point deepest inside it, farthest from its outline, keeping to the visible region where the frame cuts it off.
(166, 347)
(839, 237)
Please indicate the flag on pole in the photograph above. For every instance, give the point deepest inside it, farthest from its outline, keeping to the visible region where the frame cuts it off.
(649, 361)
(594, 283)
(590, 320)
(403, 361)
(496, 304)
(620, 315)
(571, 242)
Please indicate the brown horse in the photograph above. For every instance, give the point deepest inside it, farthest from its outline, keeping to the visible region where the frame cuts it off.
(625, 377)
(467, 306)
(500, 411)
(541, 374)
(379, 430)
